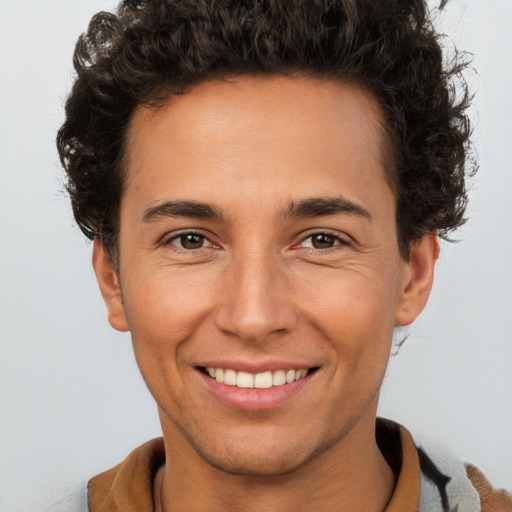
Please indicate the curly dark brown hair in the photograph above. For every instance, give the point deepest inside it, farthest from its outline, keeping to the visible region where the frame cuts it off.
(153, 49)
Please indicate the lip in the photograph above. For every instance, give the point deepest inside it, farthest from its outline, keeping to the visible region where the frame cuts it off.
(248, 399)
(254, 367)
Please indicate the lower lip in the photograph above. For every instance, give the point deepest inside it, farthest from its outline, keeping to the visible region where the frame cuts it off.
(250, 399)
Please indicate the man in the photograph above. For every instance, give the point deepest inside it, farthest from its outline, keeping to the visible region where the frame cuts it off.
(265, 184)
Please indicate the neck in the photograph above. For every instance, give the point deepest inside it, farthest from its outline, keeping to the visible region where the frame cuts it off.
(351, 475)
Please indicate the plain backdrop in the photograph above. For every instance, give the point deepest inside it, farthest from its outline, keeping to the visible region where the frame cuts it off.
(72, 402)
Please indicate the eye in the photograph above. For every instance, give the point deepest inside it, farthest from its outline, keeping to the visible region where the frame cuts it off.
(190, 241)
(322, 241)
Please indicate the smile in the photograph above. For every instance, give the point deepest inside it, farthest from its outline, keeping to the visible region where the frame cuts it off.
(262, 380)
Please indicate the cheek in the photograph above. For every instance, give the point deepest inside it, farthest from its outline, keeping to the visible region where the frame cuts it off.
(355, 312)
(350, 300)
(162, 315)
(165, 309)
(165, 304)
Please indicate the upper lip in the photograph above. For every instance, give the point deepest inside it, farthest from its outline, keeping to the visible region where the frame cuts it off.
(254, 366)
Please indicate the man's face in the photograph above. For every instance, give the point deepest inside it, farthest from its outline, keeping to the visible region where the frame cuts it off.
(258, 242)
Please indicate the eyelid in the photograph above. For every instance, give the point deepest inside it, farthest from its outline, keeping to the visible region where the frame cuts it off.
(170, 237)
(343, 240)
(340, 238)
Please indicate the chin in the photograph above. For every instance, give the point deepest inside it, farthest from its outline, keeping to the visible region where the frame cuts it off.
(251, 465)
(259, 458)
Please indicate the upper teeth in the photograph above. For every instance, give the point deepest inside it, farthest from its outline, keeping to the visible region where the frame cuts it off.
(255, 380)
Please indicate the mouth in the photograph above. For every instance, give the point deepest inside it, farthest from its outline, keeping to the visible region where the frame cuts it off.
(264, 389)
(262, 380)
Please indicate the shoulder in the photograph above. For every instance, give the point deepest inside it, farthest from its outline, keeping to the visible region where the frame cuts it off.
(447, 483)
(430, 478)
(492, 500)
(128, 487)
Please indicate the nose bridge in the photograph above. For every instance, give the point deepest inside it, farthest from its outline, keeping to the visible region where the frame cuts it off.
(254, 300)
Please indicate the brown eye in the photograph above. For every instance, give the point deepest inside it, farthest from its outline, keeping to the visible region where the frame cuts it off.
(323, 241)
(190, 241)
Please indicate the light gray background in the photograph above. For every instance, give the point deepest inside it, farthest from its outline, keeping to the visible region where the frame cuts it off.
(72, 402)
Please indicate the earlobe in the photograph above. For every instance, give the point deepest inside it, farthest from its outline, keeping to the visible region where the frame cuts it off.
(108, 282)
(418, 276)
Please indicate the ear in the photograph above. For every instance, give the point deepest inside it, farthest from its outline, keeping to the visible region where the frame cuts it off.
(417, 279)
(108, 281)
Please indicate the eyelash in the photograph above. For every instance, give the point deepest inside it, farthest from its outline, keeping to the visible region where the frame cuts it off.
(336, 239)
(185, 234)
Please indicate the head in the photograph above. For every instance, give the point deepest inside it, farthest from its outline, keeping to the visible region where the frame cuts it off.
(152, 51)
(265, 183)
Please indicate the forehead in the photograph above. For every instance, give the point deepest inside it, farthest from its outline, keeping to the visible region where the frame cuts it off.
(258, 132)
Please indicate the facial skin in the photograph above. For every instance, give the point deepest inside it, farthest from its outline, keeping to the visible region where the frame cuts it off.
(292, 263)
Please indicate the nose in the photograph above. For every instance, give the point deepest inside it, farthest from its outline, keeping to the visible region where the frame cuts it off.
(256, 298)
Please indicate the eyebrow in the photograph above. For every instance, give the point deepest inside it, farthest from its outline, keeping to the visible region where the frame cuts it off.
(324, 206)
(191, 209)
(313, 207)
